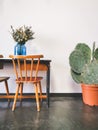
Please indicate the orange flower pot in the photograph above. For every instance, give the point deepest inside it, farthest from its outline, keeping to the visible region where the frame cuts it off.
(90, 94)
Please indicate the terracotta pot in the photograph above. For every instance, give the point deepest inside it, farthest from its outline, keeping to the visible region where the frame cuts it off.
(90, 94)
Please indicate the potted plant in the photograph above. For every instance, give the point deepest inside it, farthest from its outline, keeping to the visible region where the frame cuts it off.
(84, 70)
(21, 35)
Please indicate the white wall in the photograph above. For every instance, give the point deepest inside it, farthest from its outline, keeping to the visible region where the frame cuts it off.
(58, 25)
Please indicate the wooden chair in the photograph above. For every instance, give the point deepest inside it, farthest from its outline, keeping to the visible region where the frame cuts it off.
(4, 79)
(27, 72)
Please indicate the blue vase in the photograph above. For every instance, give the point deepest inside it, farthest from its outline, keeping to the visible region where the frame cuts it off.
(20, 49)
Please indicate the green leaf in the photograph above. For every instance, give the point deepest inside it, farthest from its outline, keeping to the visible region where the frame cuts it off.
(85, 50)
(76, 77)
(77, 61)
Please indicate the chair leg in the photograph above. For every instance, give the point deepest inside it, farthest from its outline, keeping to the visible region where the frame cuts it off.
(40, 91)
(21, 91)
(7, 89)
(15, 97)
(37, 96)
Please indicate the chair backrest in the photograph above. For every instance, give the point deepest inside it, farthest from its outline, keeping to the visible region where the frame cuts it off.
(26, 66)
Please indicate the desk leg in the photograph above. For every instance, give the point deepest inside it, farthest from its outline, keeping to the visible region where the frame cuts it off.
(48, 86)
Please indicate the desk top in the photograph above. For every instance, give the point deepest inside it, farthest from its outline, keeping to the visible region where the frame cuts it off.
(8, 60)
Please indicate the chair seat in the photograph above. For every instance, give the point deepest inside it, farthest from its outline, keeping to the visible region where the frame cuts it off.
(4, 78)
(28, 79)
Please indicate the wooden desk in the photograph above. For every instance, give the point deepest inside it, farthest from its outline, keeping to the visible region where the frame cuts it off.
(44, 66)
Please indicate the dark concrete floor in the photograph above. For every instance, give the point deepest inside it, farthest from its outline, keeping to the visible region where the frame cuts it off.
(64, 113)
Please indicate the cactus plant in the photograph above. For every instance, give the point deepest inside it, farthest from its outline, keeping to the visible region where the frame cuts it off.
(84, 64)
